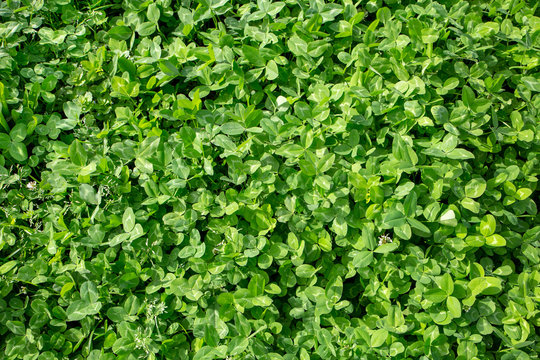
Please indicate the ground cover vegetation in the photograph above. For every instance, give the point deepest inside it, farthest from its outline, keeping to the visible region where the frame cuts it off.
(222, 179)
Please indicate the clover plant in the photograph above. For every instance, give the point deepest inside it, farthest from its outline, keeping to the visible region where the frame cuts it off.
(269, 180)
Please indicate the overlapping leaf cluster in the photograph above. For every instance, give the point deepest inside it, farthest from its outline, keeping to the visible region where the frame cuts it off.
(219, 179)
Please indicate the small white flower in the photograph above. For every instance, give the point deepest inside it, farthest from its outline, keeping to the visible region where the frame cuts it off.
(160, 308)
(153, 309)
(32, 185)
(139, 342)
(384, 239)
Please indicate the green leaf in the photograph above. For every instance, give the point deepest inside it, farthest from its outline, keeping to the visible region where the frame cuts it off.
(211, 337)
(152, 13)
(485, 285)
(18, 151)
(460, 154)
(89, 194)
(89, 292)
(128, 281)
(120, 33)
(339, 226)
(454, 306)
(531, 83)
(334, 289)
(5, 141)
(471, 205)
(272, 71)
(378, 338)
(326, 340)
(302, 110)
(128, 220)
(325, 163)
(386, 248)
(429, 36)
(495, 240)
(7, 266)
(237, 345)
(256, 285)
(440, 114)
(297, 46)
(396, 349)
(448, 218)
(415, 224)
(435, 295)
(18, 133)
(49, 83)
(80, 309)
(475, 188)
(481, 105)
(290, 150)
(77, 153)
(447, 284)
(72, 110)
(468, 96)
(523, 193)
(487, 225)
(117, 314)
(394, 219)
(205, 353)
(16, 327)
(362, 259)
(305, 271)
(431, 211)
(486, 29)
(252, 55)
(232, 128)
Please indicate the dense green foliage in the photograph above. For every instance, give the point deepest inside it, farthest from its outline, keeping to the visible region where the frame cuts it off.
(216, 179)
